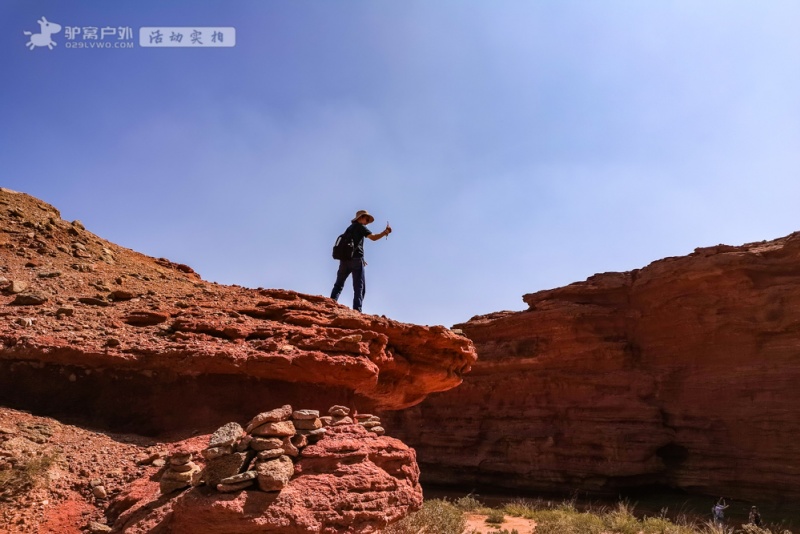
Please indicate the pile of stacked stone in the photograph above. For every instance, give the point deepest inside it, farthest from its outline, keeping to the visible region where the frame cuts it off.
(340, 415)
(262, 454)
(371, 423)
(181, 472)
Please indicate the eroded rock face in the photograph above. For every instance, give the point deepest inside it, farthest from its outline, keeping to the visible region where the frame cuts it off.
(121, 336)
(350, 481)
(683, 373)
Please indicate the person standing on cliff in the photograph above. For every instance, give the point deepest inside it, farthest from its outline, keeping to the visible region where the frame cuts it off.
(357, 231)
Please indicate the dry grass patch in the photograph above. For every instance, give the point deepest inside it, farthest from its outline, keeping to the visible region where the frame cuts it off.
(437, 516)
(23, 477)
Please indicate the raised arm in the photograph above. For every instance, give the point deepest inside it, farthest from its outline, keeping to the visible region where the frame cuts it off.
(386, 231)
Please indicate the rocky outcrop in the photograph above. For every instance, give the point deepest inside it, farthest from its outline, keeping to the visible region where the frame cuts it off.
(59, 478)
(350, 481)
(91, 329)
(680, 374)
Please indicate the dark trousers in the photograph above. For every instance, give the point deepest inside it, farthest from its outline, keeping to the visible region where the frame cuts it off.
(354, 266)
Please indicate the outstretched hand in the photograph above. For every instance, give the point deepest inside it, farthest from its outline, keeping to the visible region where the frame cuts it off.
(388, 229)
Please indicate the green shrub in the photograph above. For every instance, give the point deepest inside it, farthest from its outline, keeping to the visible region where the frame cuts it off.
(437, 516)
(709, 527)
(752, 529)
(523, 508)
(621, 520)
(566, 521)
(661, 525)
(467, 503)
(495, 517)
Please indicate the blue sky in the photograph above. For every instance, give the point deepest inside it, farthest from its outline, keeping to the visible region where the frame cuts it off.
(513, 145)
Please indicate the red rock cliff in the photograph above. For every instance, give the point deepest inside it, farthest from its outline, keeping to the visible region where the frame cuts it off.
(683, 374)
(92, 329)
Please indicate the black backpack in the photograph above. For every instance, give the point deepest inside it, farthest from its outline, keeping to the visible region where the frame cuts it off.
(344, 247)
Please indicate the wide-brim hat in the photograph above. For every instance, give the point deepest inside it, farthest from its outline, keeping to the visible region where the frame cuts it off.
(362, 213)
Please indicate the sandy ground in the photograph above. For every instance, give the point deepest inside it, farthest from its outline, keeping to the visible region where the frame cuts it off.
(476, 524)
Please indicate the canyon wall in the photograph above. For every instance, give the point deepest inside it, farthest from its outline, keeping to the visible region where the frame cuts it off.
(681, 374)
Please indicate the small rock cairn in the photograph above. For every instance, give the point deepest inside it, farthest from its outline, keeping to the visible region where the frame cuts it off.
(180, 473)
(261, 453)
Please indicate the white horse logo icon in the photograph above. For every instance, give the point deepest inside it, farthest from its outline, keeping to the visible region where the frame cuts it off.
(43, 38)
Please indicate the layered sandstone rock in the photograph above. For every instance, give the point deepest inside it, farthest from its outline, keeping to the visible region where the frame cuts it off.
(351, 481)
(92, 329)
(683, 373)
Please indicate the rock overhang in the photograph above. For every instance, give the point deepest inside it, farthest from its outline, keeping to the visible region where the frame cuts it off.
(99, 307)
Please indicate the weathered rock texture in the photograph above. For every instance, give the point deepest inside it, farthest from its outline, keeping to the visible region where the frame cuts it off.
(683, 373)
(91, 328)
(350, 481)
